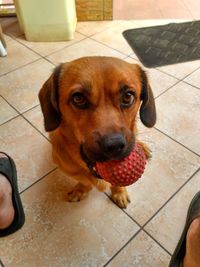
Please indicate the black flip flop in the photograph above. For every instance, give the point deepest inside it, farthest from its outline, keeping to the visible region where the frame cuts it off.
(8, 169)
(193, 213)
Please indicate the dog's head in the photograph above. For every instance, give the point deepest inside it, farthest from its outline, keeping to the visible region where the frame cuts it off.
(94, 102)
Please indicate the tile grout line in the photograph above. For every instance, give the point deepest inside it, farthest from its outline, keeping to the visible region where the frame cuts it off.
(165, 72)
(126, 243)
(142, 228)
(38, 54)
(90, 35)
(10, 105)
(20, 67)
(45, 57)
(196, 87)
(166, 90)
(87, 37)
(180, 79)
(30, 49)
(190, 72)
(171, 197)
(168, 74)
(15, 117)
(77, 42)
(195, 153)
(157, 242)
(52, 52)
(18, 112)
(123, 210)
(29, 109)
(122, 53)
(130, 240)
(107, 28)
(22, 116)
(40, 179)
(35, 127)
(165, 204)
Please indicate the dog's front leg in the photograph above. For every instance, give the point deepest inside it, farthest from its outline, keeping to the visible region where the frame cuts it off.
(120, 196)
(79, 192)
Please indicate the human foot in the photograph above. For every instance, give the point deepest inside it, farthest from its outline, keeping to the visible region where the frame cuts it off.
(12, 215)
(187, 251)
(192, 256)
(6, 206)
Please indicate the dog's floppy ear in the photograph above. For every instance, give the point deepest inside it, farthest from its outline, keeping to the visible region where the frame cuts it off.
(48, 97)
(148, 108)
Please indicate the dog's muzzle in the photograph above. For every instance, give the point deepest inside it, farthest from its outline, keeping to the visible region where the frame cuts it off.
(90, 164)
(110, 147)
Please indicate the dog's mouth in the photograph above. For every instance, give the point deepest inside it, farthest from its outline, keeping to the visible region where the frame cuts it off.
(91, 161)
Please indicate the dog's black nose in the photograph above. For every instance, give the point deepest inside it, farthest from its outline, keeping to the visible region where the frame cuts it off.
(113, 145)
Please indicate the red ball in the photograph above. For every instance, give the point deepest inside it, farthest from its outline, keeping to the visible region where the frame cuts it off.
(126, 171)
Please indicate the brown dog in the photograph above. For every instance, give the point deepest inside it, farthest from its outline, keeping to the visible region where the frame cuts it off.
(89, 107)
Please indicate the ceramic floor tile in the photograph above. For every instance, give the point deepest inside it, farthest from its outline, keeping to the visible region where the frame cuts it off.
(30, 150)
(18, 55)
(178, 111)
(167, 225)
(89, 28)
(58, 233)
(20, 87)
(6, 111)
(181, 70)
(170, 167)
(176, 12)
(142, 13)
(142, 251)
(193, 7)
(154, 9)
(158, 80)
(194, 78)
(113, 37)
(86, 47)
(36, 119)
(173, 9)
(135, 9)
(46, 48)
(157, 22)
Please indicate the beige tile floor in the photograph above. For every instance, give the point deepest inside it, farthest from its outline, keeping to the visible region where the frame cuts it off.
(156, 9)
(95, 232)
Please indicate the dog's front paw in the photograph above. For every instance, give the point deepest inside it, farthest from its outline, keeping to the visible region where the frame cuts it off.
(120, 196)
(78, 193)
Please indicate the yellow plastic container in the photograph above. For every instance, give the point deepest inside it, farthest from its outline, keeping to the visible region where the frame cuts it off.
(47, 20)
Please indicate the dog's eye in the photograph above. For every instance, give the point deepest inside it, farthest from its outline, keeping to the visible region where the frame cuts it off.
(79, 100)
(127, 99)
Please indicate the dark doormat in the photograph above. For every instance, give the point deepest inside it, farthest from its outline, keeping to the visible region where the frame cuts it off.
(165, 45)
